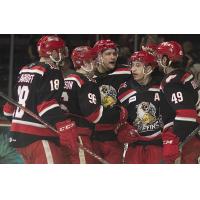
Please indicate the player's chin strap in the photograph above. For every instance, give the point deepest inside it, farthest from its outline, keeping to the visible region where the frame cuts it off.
(54, 60)
(30, 113)
(164, 66)
(87, 70)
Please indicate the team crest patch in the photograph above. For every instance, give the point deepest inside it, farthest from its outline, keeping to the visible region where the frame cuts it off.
(108, 95)
(146, 117)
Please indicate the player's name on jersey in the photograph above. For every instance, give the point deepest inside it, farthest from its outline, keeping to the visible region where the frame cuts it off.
(26, 78)
(68, 85)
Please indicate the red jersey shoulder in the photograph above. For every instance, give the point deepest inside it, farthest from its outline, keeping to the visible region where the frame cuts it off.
(75, 77)
(177, 77)
(125, 91)
(120, 70)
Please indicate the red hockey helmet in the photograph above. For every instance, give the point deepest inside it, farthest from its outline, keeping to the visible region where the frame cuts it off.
(103, 45)
(80, 54)
(144, 57)
(47, 44)
(172, 49)
(151, 48)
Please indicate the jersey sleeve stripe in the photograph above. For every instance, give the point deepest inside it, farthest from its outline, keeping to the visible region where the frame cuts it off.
(76, 78)
(124, 96)
(186, 77)
(189, 78)
(30, 128)
(35, 71)
(73, 79)
(28, 123)
(154, 89)
(47, 109)
(186, 115)
(120, 72)
(96, 116)
(46, 106)
(185, 119)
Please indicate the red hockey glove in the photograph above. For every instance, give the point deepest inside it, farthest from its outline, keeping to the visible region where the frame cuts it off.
(8, 109)
(122, 119)
(123, 115)
(170, 146)
(68, 134)
(127, 134)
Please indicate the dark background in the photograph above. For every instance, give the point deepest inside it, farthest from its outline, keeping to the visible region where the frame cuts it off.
(25, 48)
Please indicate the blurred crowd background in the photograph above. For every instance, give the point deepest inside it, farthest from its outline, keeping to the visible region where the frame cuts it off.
(19, 50)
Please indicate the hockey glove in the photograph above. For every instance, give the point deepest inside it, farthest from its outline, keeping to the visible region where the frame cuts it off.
(127, 134)
(123, 115)
(170, 146)
(122, 119)
(8, 110)
(68, 134)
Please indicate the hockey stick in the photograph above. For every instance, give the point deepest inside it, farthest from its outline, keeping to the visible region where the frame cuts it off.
(12, 101)
(188, 138)
(124, 152)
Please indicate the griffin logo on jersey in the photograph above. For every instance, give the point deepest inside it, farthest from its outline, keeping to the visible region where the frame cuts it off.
(146, 117)
(108, 95)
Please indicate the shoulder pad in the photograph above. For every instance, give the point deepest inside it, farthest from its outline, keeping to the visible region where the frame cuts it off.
(36, 68)
(77, 78)
(178, 76)
(121, 70)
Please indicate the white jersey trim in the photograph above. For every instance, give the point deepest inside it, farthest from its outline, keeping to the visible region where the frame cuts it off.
(73, 79)
(154, 89)
(27, 123)
(186, 119)
(120, 72)
(168, 125)
(188, 79)
(8, 114)
(5, 125)
(100, 115)
(153, 135)
(48, 108)
(34, 71)
(47, 151)
(127, 96)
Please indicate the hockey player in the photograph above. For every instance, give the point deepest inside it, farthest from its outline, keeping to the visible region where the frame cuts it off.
(39, 89)
(141, 96)
(179, 104)
(81, 97)
(108, 77)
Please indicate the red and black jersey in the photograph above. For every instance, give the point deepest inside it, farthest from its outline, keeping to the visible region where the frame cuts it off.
(81, 97)
(180, 102)
(143, 105)
(39, 88)
(108, 85)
